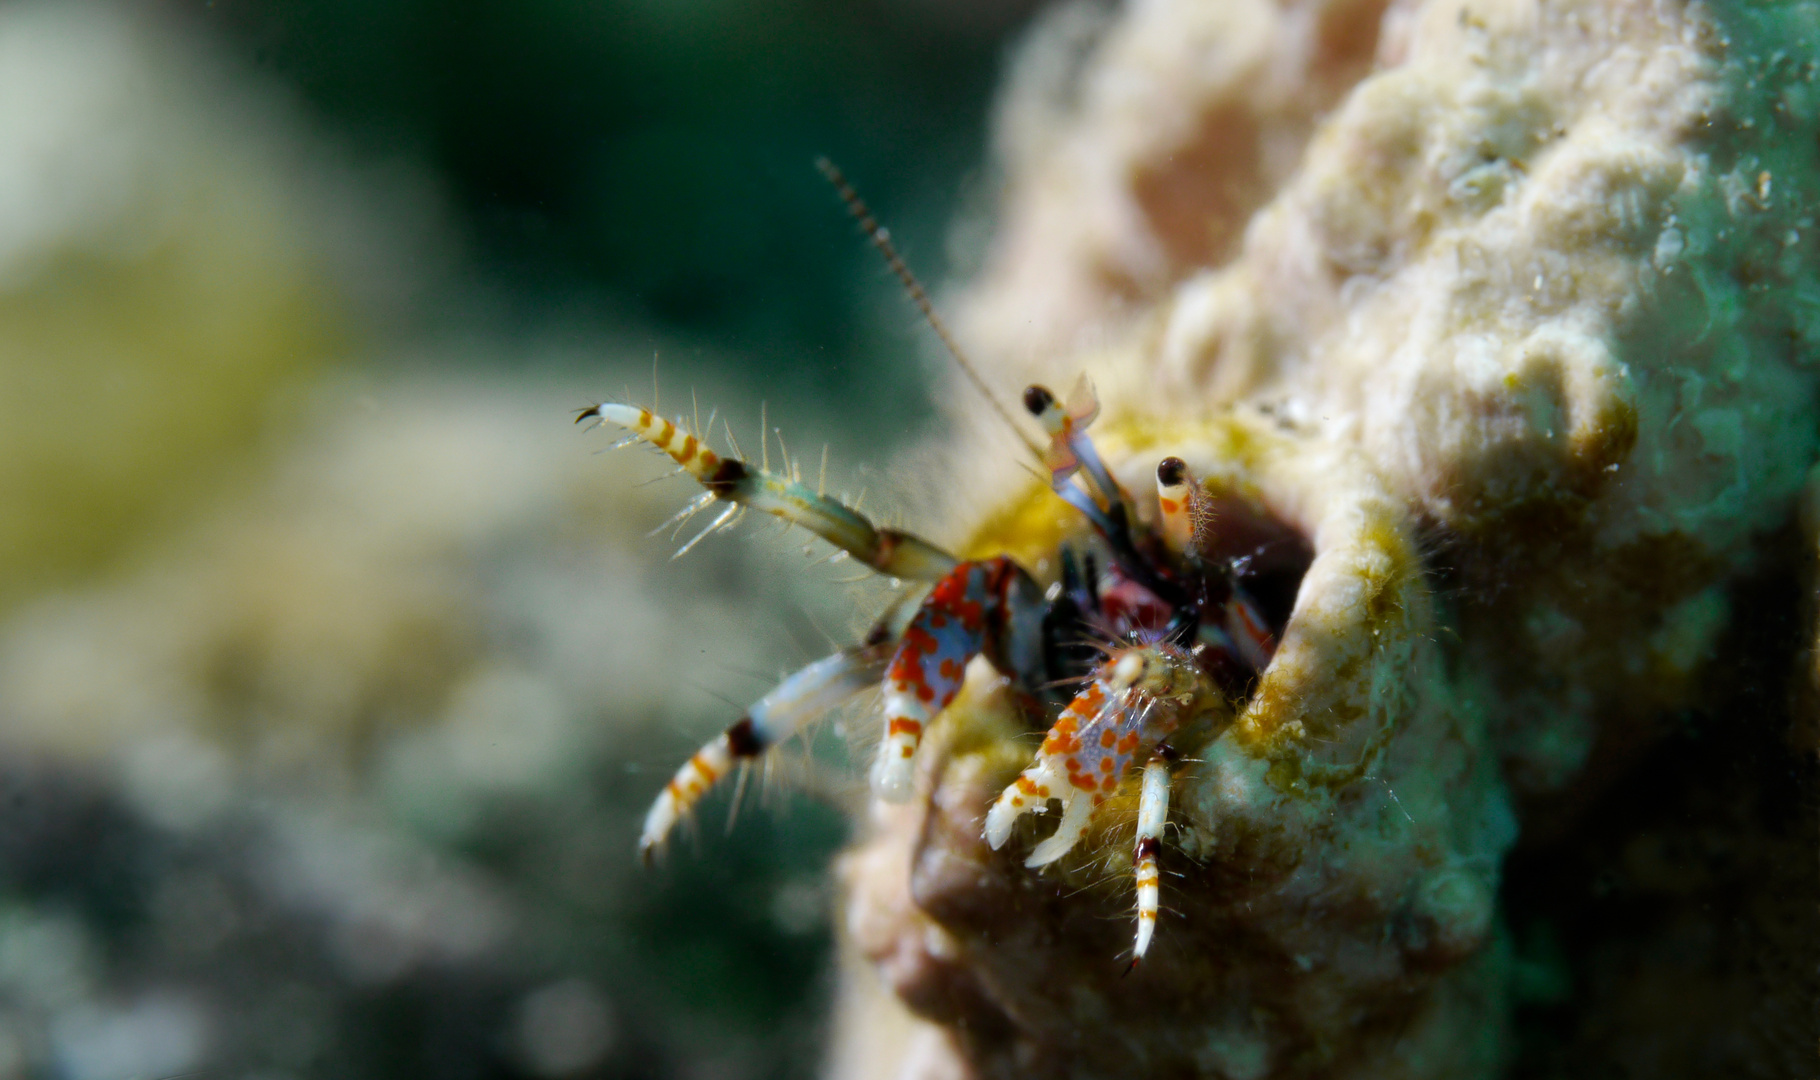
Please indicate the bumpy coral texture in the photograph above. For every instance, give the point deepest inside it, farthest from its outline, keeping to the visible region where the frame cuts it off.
(1521, 344)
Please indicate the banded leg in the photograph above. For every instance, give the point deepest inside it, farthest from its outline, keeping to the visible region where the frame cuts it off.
(794, 702)
(949, 630)
(1153, 811)
(889, 551)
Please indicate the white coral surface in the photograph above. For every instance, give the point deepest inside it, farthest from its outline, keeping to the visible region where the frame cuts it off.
(1521, 337)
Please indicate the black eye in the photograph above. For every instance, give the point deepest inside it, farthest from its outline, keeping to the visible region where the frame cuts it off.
(1171, 471)
(1038, 399)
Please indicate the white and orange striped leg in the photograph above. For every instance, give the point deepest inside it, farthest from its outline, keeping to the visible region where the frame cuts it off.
(738, 483)
(989, 606)
(794, 702)
(1153, 811)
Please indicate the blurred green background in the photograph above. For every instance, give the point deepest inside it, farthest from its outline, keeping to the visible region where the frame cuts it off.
(651, 161)
(336, 671)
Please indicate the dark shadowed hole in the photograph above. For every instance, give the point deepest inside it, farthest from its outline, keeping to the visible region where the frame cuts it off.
(1268, 557)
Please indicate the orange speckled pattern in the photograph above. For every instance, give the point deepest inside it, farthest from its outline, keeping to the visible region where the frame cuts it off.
(931, 660)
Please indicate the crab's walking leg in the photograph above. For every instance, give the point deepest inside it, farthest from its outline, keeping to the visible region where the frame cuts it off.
(949, 630)
(1153, 810)
(773, 718)
(889, 551)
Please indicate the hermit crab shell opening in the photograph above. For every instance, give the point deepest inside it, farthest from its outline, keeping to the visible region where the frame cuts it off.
(1351, 730)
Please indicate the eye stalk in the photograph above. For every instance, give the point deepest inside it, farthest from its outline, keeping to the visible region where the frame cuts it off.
(1070, 451)
(1181, 508)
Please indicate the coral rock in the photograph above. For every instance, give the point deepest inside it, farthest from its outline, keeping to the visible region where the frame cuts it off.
(1521, 348)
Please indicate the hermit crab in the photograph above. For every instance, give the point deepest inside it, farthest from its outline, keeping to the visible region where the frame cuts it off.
(1153, 628)
(1147, 636)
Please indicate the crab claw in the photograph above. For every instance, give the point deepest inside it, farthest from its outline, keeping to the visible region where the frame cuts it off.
(1082, 759)
(1028, 794)
(1139, 697)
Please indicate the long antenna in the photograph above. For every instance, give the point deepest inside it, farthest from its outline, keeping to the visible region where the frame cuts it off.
(881, 239)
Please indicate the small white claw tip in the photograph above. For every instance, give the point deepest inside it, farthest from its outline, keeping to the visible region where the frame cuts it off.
(1052, 849)
(658, 824)
(1075, 815)
(998, 824)
(891, 779)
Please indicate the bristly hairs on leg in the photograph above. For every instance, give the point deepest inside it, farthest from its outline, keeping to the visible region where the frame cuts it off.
(881, 239)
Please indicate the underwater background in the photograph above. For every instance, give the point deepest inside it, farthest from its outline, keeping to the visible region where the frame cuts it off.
(336, 668)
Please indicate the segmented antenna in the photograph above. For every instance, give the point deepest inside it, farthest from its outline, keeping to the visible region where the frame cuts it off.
(881, 239)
